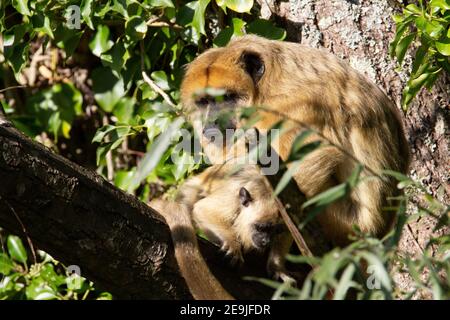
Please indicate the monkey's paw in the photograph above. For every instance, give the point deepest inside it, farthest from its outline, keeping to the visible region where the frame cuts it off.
(282, 274)
(233, 251)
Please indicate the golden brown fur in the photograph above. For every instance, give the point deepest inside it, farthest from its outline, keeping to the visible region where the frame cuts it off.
(202, 284)
(316, 88)
(229, 203)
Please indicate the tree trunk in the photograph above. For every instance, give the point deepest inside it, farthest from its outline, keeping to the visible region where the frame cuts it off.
(360, 32)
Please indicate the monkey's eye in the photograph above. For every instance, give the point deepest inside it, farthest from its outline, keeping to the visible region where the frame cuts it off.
(265, 227)
(230, 97)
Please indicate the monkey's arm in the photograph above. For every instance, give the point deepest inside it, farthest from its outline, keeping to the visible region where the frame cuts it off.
(201, 282)
(215, 225)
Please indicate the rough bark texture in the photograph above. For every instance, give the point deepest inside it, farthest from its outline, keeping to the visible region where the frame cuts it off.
(359, 31)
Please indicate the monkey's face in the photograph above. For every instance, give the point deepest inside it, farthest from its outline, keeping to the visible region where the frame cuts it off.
(258, 221)
(217, 81)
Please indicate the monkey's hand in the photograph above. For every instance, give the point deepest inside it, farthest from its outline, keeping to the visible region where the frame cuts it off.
(278, 272)
(233, 250)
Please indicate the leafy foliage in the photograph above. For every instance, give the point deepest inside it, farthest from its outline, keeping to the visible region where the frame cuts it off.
(366, 268)
(44, 280)
(429, 25)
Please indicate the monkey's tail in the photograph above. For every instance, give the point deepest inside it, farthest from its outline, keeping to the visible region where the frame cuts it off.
(201, 282)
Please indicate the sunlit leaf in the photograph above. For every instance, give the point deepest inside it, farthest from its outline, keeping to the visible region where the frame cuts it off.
(198, 21)
(108, 89)
(345, 283)
(136, 28)
(266, 29)
(21, 6)
(6, 265)
(86, 9)
(443, 46)
(16, 249)
(402, 46)
(101, 41)
(154, 154)
(236, 5)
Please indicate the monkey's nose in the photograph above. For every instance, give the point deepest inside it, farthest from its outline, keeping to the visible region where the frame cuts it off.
(211, 131)
(261, 240)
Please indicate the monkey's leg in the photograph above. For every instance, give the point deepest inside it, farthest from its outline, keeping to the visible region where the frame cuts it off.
(206, 218)
(277, 256)
(201, 282)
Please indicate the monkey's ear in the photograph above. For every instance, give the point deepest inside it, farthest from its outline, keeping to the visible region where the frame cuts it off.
(253, 65)
(244, 197)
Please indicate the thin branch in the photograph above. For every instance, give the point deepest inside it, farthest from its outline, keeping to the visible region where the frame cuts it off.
(159, 24)
(416, 243)
(152, 84)
(293, 229)
(109, 160)
(11, 88)
(30, 243)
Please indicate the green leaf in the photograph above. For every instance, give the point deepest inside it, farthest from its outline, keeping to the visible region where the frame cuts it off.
(298, 141)
(19, 58)
(402, 46)
(161, 79)
(124, 109)
(426, 73)
(67, 39)
(123, 178)
(120, 6)
(443, 46)
(433, 29)
(41, 23)
(355, 176)
(266, 29)
(102, 132)
(240, 6)
(401, 28)
(108, 89)
(397, 175)
(419, 58)
(236, 29)
(40, 291)
(101, 41)
(87, 9)
(287, 176)
(6, 265)
(380, 270)
(328, 196)
(304, 150)
(182, 164)
(442, 4)
(16, 249)
(21, 6)
(116, 57)
(413, 9)
(345, 283)
(161, 3)
(136, 28)
(198, 21)
(154, 154)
